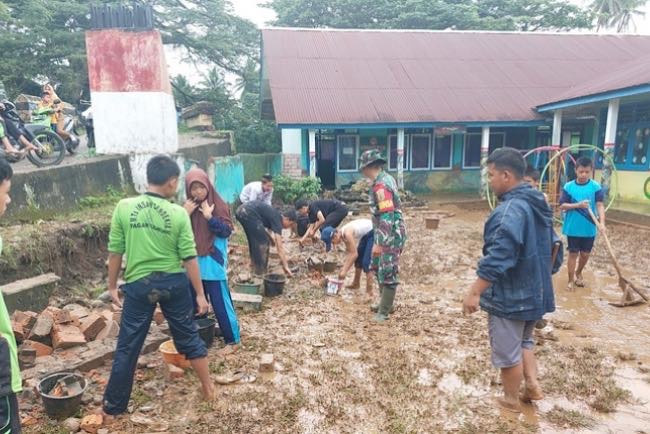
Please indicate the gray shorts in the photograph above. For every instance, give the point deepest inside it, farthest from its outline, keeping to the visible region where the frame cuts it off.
(507, 338)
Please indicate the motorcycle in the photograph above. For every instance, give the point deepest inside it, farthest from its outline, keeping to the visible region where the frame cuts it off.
(42, 116)
(50, 149)
(86, 119)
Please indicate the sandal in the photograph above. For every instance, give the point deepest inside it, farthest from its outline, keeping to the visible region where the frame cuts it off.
(237, 377)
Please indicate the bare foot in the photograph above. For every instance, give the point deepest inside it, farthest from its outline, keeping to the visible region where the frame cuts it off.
(353, 285)
(532, 392)
(227, 350)
(570, 287)
(580, 282)
(209, 393)
(508, 404)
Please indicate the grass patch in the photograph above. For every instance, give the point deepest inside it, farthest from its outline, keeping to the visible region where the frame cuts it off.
(111, 197)
(290, 408)
(46, 427)
(564, 418)
(139, 397)
(582, 373)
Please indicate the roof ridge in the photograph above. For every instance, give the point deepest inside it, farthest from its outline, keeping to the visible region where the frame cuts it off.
(496, 32)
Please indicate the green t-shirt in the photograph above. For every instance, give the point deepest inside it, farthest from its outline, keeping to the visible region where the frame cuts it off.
(7, 333)
(155, 235)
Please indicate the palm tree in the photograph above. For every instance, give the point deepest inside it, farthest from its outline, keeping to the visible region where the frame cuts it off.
(618, 14)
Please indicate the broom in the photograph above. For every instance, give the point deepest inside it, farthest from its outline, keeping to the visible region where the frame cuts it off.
(626, 286)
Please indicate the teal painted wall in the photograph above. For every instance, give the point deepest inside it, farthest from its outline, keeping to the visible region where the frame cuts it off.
(232, 173)
(229, 177)
(256, 165)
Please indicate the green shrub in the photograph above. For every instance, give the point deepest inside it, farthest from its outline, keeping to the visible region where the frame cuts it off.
(289, 190)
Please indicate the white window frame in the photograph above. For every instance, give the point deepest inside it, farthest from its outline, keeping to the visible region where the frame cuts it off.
(465, 151)
(406, 152)
(451, 154)
(410, 165)
(356, 155)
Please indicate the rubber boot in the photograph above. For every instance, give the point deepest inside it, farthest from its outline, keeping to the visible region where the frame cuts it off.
(375, 306)
(386, 303)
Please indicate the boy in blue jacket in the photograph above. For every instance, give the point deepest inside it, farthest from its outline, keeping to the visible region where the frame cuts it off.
(514, 283)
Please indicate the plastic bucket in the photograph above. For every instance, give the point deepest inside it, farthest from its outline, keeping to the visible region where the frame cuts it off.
(274, 284)
(173, 357)
(206, 330)
(61, 407)
(253, 287)
(334, 285)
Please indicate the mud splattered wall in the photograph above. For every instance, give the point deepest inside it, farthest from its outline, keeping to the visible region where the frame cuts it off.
(133, 104)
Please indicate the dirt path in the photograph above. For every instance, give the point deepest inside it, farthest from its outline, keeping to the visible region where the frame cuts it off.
(427, 370)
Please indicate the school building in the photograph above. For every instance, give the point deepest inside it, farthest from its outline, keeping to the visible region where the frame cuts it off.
(437, 102)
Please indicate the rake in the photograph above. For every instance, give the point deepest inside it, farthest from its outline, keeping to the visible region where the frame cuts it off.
(625, 284)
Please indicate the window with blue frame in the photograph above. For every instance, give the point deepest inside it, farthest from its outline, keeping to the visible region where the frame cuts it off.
(632, 145)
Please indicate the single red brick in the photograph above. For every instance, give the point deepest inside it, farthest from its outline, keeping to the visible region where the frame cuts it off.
(66, 336)
(42, 350)
(92, 325)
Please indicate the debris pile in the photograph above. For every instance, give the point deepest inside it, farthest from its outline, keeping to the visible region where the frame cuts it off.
(358, 192)
(55, 330)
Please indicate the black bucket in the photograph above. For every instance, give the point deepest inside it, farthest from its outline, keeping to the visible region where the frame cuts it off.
(274, 284)
(61, 407)
(206, 330)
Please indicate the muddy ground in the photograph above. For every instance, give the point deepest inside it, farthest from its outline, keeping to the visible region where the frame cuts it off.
(426, 370)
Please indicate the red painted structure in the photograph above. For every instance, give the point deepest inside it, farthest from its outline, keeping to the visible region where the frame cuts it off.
(126, 61)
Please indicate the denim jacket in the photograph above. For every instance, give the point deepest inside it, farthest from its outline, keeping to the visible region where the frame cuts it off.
(517, 257)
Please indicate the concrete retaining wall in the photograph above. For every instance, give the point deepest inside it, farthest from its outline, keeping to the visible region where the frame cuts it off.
(39, 193)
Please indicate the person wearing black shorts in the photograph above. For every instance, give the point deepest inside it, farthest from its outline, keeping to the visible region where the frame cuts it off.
(321, 214)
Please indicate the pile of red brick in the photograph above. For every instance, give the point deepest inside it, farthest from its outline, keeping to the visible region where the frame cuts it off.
(40, 334)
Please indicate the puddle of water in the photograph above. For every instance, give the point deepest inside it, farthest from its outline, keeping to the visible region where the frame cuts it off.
(590, 315)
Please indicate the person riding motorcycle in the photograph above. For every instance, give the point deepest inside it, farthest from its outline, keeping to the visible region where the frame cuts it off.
(11, 128)
(50, 104)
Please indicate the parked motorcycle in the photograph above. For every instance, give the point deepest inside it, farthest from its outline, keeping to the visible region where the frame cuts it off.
(86, 119)
(50, 149)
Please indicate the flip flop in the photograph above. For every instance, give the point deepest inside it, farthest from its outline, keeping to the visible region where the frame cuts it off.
(237, 377)
(228, 379)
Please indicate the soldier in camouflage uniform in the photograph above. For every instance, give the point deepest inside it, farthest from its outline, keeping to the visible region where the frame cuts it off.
(388, 224)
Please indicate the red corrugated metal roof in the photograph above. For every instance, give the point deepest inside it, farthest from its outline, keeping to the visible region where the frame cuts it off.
(629, 74)
(351, 76)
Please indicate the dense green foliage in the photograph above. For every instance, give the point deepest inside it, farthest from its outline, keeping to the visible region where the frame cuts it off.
(523, 15)
(289, 190)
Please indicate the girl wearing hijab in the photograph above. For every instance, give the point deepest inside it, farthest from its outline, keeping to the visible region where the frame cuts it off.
(212, 225)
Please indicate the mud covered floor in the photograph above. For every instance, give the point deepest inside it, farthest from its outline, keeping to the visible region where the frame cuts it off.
(426, 370)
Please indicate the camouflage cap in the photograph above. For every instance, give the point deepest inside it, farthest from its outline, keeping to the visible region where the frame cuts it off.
(370, 156)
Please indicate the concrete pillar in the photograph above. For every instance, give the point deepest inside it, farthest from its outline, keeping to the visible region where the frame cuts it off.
(485, 149)
(610, 141)
(133, 102)
(556, 138)
(292, 152)
(400, 158)
(312, 153)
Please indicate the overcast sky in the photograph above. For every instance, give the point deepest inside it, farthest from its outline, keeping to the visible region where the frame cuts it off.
(251, 10)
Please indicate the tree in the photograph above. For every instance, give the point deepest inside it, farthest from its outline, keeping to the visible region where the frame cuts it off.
(43, 40)
(521, 15)
(618, 14)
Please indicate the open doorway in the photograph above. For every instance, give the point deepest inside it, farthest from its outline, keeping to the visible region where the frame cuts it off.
(326, 160)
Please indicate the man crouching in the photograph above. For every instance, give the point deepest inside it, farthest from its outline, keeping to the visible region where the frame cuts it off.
(514, 283)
